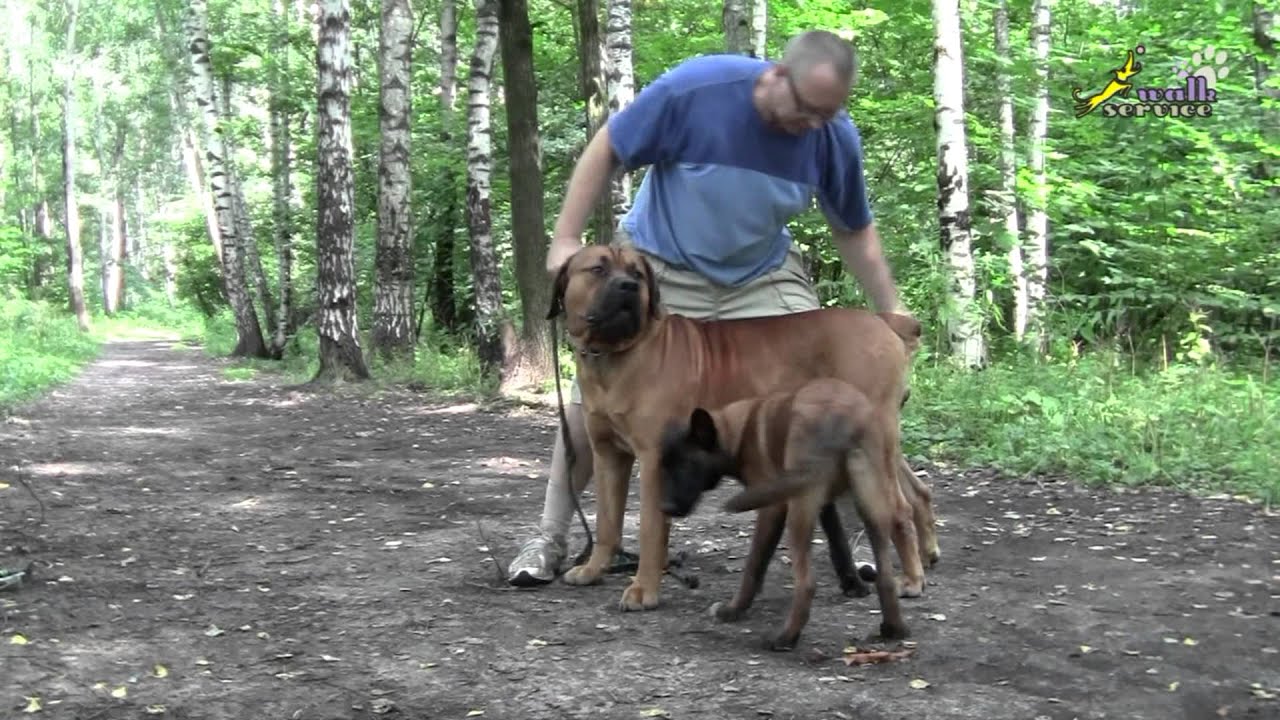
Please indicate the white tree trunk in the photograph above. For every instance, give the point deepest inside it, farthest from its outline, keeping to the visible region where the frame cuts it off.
(1037, 250)
(1008, 197)
(621, 85)
(964, 327)
(336, 323)
(448, 52)
(75, 253)
(486, 272)
(393, 284)
(250, 341)
(759, 27)
(281, 181)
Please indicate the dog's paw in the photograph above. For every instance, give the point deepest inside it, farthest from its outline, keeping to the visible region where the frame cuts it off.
(931, 557)
(782, 642)
(582, 575)
(893, 631)
(724, 612)
(909, 588)
(638, 597)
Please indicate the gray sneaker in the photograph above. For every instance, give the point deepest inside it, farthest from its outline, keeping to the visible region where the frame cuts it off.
(538, 561)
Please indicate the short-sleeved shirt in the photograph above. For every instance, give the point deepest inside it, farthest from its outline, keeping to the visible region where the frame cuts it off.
(723, 184)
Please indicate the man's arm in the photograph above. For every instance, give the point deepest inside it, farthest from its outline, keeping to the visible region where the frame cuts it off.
(864, 257)
(590, 176)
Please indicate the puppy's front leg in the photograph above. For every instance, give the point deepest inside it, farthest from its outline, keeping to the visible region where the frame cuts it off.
(612, 475)
(655, 526)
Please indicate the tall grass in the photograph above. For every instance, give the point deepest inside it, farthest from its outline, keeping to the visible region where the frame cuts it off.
(40, 346)
(1196, 427)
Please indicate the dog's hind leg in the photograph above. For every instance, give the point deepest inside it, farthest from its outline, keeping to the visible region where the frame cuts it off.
(920, 496)
(851, 583)
(874, 487)
(799, 536)
(769, 524)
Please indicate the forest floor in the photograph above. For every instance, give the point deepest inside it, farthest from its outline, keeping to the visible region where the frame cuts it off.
(247, 549)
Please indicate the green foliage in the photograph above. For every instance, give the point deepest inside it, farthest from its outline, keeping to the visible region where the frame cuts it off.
(1100, 419)
(40, 346)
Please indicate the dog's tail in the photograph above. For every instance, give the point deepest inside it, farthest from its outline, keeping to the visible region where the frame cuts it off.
(905, 327)
(824, 441)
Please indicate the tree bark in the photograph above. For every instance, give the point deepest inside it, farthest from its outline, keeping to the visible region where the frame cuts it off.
(1037, 249)
(1007, 204)
(249, 341)
(448, 53)
(393, 335)
(759, 27)
(340, 355)
(115, 258)
(737, 27)
(531, 365)
(75, 254)
(281, 180)
(492, 330)
(964, 328)
(594, 89)
(621, 81)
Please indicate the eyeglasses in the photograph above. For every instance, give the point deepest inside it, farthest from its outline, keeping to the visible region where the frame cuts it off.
(805, 109)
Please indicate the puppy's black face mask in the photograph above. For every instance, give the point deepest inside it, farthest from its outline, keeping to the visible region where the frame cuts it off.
(692, 462)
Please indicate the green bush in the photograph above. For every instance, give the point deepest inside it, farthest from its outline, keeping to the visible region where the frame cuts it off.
(40, 346)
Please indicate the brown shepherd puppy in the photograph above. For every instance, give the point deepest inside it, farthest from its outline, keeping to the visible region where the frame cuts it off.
(804, 448)
(639, 367)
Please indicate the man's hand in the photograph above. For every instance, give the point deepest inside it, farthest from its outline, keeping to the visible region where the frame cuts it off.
(561, 249)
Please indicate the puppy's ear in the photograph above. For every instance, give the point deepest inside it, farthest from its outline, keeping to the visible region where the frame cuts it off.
(655, 302)
(702, 429)
(558, 290)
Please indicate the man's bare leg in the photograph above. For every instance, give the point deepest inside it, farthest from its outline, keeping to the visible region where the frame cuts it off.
(539, 559)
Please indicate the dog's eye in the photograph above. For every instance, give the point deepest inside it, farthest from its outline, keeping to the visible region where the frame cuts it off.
(635, 272)
(597, 269)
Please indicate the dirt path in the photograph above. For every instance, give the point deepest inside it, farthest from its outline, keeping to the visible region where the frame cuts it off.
(291, 555)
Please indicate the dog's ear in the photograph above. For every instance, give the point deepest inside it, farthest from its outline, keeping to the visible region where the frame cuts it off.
(655, 302)
(557, 291)
(702, 429)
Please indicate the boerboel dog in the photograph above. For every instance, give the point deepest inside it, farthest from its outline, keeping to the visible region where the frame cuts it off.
(639, 366)
(796, 452)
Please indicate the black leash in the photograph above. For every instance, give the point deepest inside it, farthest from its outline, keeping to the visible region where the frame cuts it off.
(569, 455)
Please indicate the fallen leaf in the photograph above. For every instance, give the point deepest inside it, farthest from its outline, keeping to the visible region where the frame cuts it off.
(4, 486)
(33, 705)
(857, 656)
(1173, 686)
(155, 710)
(1189, 641)
(655, 712)
(1085, 649)
(213, 631)
(381, 706)
(17, 640)
(937, 616)
(474, 713)
(536, 642)
(329, 658)
(160, 671)
(919, 684)
(120, 692)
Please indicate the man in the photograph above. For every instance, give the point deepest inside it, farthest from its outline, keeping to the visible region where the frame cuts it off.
(736, 148)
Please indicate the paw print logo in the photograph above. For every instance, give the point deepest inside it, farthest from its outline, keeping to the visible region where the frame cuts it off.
(1207, 63)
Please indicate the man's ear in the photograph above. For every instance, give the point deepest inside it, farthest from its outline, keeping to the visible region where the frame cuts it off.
(702, 429)
(557, 291)
(655, 302)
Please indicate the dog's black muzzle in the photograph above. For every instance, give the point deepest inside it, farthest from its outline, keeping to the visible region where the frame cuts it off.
(617, 312)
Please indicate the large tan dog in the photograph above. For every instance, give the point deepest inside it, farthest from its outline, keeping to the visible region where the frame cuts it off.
(639, 367)
(795, 452)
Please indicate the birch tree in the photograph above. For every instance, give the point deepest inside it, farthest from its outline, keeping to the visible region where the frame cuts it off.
(1007, 197)
(443, 219)
(393, 334)
(737, 27)
(249, 340)
(336, 322)
(75, 253)
(621, 83)
(1037, 251)
(759, 27)
(595, 94)
(493, 331)
(964, 330)
(281, 177)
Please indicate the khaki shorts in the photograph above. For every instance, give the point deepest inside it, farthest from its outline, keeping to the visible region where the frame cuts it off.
(685, 292)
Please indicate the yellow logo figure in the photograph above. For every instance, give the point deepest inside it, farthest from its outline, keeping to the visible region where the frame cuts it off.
(1119, 85)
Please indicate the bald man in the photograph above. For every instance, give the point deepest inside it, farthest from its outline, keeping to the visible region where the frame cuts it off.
(736, 147)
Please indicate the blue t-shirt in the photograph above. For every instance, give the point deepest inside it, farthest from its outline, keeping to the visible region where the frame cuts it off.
(723, 184)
